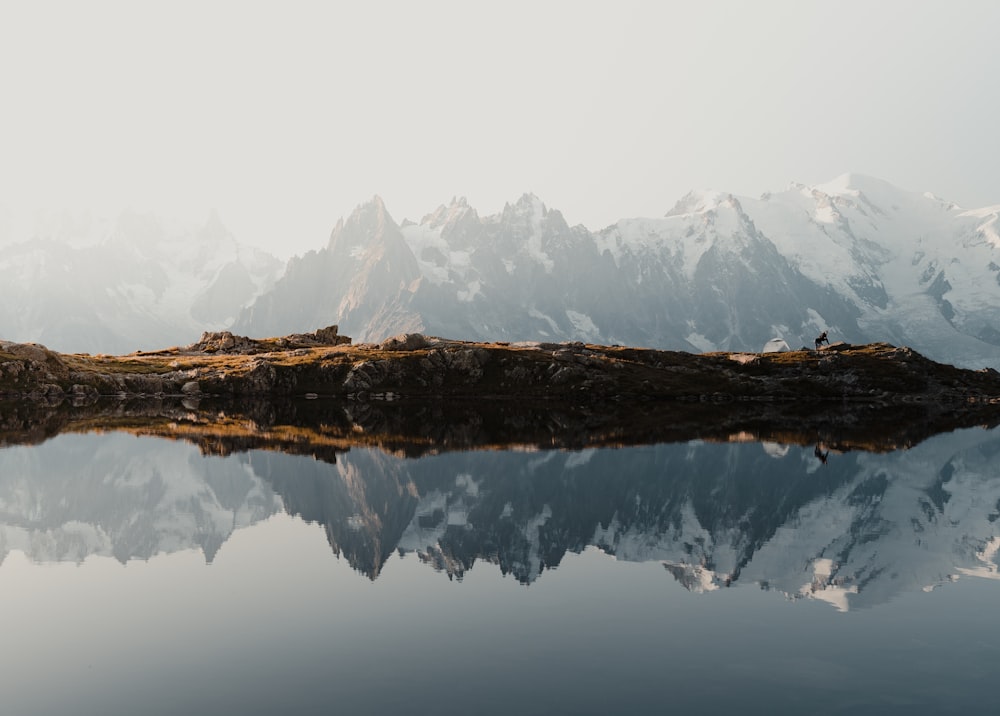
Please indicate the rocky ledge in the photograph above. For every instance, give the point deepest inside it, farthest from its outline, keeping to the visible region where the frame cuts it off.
(416, 366)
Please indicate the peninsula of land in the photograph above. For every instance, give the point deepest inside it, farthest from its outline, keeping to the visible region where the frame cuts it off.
(324, 363)
(417, 393)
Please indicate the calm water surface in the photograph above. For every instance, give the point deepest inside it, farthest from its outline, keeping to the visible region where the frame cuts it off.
(139, 577)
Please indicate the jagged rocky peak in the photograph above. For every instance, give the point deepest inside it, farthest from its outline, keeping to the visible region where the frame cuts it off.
(527, 207)
(530, 212)
(454, 211)
(714, 213)
(368, 223)
(371, 213)
(458, 223)
(554, 219)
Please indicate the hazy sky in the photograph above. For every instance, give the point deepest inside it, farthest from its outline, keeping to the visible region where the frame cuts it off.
(285, 116)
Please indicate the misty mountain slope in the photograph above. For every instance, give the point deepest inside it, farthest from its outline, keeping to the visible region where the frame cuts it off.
(857, 257)
(138, 283)
(361, 281)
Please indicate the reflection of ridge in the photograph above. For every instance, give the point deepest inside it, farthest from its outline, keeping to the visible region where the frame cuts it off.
(713, 503)
(117, 496)
(905, 522)
(845, 532)
(363, 502)
(856, 531)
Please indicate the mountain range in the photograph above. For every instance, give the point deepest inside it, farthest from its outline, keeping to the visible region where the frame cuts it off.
(857, 257)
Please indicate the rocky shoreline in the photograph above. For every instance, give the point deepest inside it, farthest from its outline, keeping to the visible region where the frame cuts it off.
(414, 366)
(414, 393)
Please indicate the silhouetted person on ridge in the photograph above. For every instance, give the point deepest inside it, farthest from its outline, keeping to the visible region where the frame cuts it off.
(821, 339)
(822, 456)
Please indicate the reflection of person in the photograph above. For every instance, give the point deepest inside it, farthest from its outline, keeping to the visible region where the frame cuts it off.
(818, 452)
(821, 339)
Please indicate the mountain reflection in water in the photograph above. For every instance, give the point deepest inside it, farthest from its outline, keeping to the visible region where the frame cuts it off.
(369, 559)
(854, 528)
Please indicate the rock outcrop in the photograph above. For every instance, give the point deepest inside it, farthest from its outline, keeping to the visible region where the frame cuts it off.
(228, 343)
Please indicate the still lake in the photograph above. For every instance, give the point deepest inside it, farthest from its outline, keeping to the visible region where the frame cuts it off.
(142, 577)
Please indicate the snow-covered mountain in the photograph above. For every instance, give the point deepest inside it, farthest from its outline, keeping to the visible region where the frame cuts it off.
(857, 257)
(82, 284)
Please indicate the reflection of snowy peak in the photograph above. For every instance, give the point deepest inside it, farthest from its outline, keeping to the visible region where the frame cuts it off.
(80, 495)
(856, 256)
(856, 531)
(363, 501)
(906, 522)
(137, 283)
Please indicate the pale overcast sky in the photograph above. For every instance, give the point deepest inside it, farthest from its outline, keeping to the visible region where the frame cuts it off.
(286, 115)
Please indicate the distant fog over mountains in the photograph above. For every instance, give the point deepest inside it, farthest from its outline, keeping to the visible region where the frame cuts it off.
(137, 282)
(858, 257)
